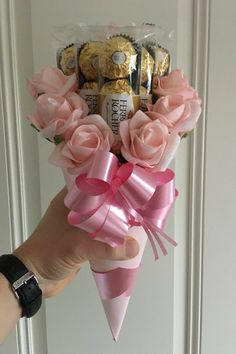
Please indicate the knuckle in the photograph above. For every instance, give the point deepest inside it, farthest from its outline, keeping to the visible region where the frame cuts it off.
(115, 252)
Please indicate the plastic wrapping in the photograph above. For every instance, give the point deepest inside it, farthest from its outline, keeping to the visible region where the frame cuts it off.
(147, 70)
(117, 66)
(64, 44)
(156, 62)
(119, 79)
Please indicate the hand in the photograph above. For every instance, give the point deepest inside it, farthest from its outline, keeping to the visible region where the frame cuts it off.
(56, 250)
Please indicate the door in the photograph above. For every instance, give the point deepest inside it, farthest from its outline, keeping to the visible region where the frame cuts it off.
(183, 303)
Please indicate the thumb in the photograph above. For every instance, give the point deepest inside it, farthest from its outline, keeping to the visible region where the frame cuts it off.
(100, 250)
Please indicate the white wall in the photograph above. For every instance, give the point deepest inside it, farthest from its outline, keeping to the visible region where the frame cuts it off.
(189, 307)
(219, 268)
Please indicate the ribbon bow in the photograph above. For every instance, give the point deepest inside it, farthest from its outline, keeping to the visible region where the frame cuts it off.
(110, 198)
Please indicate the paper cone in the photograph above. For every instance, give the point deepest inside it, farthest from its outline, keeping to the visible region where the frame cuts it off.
(115, 307)
(115, 310)
(115, 280)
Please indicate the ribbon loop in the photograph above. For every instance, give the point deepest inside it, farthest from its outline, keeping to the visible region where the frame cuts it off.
(109, 199)
(139, 187)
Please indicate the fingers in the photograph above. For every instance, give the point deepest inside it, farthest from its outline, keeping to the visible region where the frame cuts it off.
(100, 250)
(57, 204)
(88, 249)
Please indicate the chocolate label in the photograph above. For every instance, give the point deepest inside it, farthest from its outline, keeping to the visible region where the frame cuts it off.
(91, 98)
(71, 63)
(116, 108)
(118, 58)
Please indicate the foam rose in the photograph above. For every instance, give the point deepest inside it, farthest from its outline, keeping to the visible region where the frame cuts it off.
(147, 142)
(51, 80)
(175, 112)
(58, 115)
(90, 135)
(176, 83)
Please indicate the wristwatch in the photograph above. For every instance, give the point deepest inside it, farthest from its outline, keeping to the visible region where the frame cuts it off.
(23, 282)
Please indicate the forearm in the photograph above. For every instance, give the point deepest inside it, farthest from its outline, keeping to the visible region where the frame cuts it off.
(10, 310)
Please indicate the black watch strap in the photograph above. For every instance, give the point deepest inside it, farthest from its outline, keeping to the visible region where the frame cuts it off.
(23, 282)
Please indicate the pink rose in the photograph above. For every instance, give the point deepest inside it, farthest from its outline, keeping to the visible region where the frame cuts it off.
(147, 143)
(175, 112)
(57, 115)
(176, 83)
(51, 80)
(91, 134)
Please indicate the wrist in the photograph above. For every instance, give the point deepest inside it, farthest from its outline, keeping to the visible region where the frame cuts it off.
(23, 284)
(7, 293)
(10, 309)
(22, 255)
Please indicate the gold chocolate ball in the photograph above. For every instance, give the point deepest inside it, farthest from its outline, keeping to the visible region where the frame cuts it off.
(143, 91)
(67, 60)
(90, 85)
(88, 60)
(118, 58)
(116, 87)
(162, 62)
(147, 66)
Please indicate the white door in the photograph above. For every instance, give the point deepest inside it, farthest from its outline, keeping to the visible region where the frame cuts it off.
(183, 303)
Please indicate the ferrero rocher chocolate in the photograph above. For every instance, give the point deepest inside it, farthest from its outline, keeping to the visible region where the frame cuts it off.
(90, 85)
(162, 61)
(116, 86)
(147, 66)
(118, 58)
(66, 60)
(88, 60)
(143, 91)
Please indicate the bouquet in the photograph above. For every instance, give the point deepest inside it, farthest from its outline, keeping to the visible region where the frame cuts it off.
(116, 115)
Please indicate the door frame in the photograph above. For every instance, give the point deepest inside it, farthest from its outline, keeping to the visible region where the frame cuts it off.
(22, 162)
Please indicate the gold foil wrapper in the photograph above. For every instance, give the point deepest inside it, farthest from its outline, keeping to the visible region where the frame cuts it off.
(143, 91)
(116, 86)
(118, 58)
(145, 99)
(67, 60)
(90, 85)
(147, 66)
(162, 62)
(88, 60)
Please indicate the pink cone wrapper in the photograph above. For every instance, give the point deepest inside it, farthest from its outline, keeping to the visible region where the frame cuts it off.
(115, 301)
(145, 200)
(114, 305)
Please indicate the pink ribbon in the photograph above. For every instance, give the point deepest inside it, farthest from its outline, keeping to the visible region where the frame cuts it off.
(109, 199)
(116, 282)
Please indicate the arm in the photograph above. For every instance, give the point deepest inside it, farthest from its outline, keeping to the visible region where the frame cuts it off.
(10, 310)
(54, 253)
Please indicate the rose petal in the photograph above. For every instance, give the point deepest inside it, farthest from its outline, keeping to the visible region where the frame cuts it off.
(138, 120)
(124, 133)
(57, 158)
(169, 153)
(189, 123)
(130, 158)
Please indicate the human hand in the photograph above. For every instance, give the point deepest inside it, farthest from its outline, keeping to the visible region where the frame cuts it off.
(56, 250)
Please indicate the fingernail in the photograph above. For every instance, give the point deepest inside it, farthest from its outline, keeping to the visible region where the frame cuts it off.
(131, 248)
